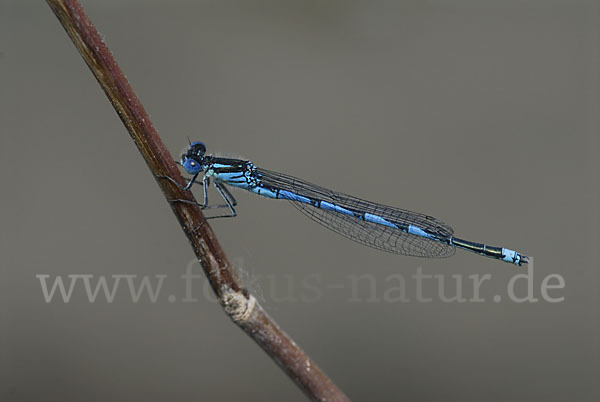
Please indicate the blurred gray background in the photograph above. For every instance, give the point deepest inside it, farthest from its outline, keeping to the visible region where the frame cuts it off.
(484, 114)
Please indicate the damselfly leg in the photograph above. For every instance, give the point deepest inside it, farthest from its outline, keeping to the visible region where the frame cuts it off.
(230, 201)
(189, 184)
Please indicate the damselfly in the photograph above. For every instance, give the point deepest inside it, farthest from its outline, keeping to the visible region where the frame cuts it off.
(379, 226)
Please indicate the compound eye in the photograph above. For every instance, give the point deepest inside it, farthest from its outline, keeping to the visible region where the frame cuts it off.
(198, 148)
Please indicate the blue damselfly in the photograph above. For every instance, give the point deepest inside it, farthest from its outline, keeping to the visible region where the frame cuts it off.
(379, 226)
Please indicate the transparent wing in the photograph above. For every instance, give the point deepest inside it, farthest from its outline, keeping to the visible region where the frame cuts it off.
(368, 233)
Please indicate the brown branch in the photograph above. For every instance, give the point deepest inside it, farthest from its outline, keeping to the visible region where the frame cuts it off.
(237, 302)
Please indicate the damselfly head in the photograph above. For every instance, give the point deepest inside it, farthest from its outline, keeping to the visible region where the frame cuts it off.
(193, 159)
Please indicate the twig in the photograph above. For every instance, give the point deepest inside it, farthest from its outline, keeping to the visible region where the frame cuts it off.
(242, 307)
